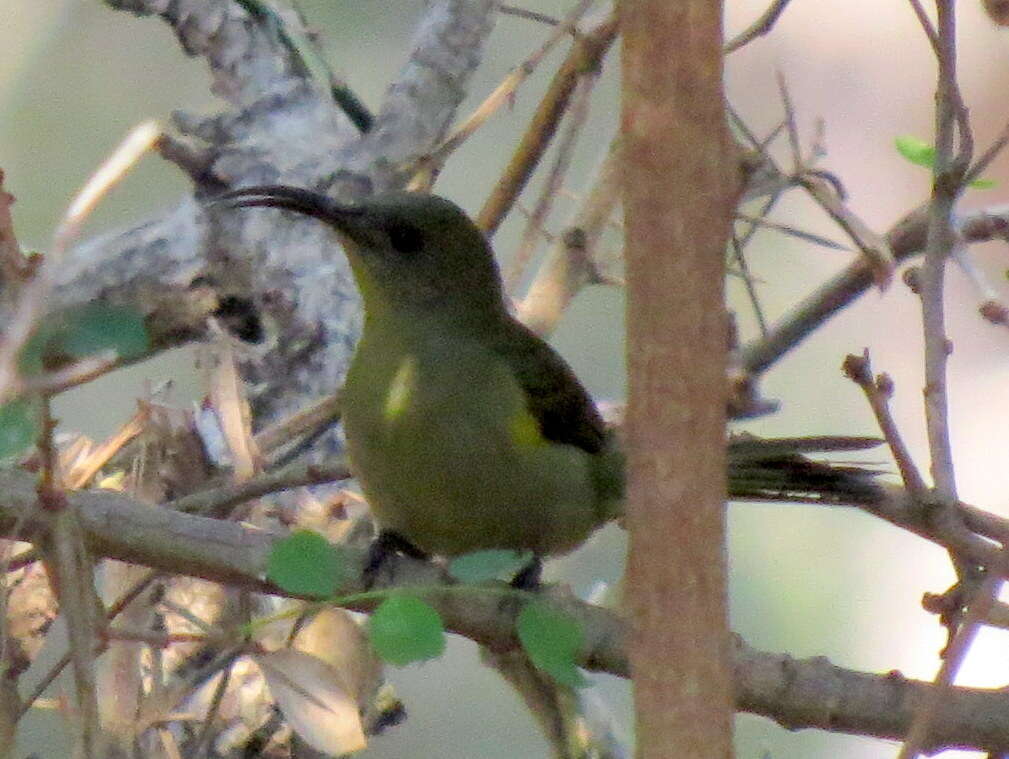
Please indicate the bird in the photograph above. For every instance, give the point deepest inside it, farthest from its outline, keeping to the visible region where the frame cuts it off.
(467, 431)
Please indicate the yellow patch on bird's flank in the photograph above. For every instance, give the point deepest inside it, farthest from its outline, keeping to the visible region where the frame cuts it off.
(400, 388)
(525, 430)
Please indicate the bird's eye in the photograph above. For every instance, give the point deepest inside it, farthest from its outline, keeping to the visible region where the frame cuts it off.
(405, 238)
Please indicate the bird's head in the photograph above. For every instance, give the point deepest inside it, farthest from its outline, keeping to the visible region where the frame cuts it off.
(408, 250)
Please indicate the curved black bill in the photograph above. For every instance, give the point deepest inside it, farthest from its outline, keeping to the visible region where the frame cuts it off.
(297, 199)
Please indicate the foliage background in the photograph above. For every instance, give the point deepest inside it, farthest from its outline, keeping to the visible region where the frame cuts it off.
(74, 76)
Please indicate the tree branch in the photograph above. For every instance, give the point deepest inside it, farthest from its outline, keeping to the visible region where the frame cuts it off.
(906, 239)
(283, 278)
(796, 693)
(764, 24)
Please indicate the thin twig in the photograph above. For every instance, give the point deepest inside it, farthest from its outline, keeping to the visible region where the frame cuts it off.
(80, 607)
(204, 739)
(28, 556)
(825, 190)
(50, 480)
(791, 125)
(157, 705)
(206, 629)
(989, 155)
(157, 639)
(32, 300)
(320, 415)
(926, 25)
(952, 157)
(586, 54)
(511, 10)
(940, 241)
(787, 229)
(562, 274)
(14, 266)
(906, 238)
(738, 251)
(554, 180)
(218, 500)
(764, 23)
(504, 91)
(878, 392)
(78, 373)
(992, 308)
(751, 290)
(872, 245)
(977, 611)
(82, 471)
(111, 613)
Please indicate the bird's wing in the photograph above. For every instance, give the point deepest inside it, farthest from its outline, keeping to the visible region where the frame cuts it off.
(556, 399)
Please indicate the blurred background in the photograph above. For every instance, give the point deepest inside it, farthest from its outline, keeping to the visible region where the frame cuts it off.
(75, 76)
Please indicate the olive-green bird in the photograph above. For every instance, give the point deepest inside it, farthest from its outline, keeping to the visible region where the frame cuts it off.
(465, 429)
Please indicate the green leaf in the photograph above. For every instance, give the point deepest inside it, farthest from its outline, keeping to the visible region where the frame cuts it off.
(19, 427)
(32, 359)
(82, 331)
(983, 184)
(480, 566)
(404, 629)
(552, 639)
(98, 327)
(307, 564)
(916, 151)
(921, 153)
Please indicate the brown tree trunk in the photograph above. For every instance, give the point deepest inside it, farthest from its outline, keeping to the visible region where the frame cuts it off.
(680, 187)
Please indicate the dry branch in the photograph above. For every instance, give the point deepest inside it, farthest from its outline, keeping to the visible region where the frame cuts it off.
(287, 283)
(293, 294)
(796, 693)
(906, 239)
(586, 55)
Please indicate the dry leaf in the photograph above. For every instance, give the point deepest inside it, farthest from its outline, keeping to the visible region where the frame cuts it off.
(335, 637)
(313, 700)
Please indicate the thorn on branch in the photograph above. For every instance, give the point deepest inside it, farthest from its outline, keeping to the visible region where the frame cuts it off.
(832, 179)
(826, 190)
(542, 18)
(744, 400)
(912, 278)
(950, 607)
(15, 267)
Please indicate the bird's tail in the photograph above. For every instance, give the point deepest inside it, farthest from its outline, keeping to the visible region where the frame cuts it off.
(765, 469)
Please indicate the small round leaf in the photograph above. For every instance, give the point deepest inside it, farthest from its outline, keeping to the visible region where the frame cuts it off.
(480, 566)
(81, 331)
(307, 564)
(552, 639)
(404, 629)
(915, 150)
(19, 427)
(97, 327)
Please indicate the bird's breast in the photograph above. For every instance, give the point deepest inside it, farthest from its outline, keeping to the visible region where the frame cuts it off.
(450, 457)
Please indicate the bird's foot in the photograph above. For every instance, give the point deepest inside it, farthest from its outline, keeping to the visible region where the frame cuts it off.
(528, 578)
(388, 543)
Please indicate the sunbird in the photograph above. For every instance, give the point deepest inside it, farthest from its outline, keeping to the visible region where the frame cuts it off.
(466, 430)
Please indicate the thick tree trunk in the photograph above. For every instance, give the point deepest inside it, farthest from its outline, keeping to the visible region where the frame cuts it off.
(679, 195)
